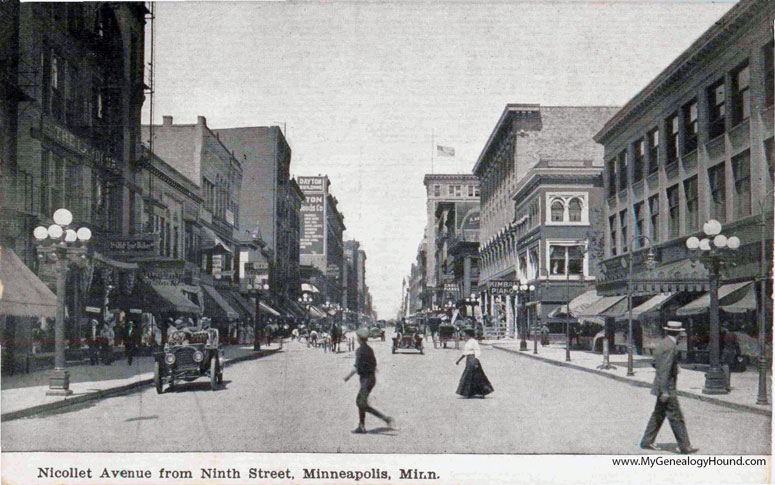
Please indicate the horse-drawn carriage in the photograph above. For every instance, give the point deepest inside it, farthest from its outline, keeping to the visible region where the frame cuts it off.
(447, 333)
(409, 337)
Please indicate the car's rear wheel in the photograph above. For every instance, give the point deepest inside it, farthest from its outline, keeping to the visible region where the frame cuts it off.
(213, 373)
(157, 378)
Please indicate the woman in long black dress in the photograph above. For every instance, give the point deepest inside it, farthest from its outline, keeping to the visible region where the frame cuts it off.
(473, 382)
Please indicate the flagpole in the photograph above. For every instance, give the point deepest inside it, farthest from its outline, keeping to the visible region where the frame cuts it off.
(433, 148)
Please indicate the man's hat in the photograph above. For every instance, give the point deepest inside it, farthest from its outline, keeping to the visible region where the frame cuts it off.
(362, 332)
(674, 327)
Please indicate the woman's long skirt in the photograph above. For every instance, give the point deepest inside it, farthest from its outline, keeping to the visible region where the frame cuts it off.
(474, 382)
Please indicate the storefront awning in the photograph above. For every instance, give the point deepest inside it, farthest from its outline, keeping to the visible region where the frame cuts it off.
(747, 303)
(173, 299)
(309, 288)
(210, 240)
(653, 304)
(595, 309)
(727, 295)
(220, 302)
(674, 276)
(316, 312)
(22, 294)
(114, 263)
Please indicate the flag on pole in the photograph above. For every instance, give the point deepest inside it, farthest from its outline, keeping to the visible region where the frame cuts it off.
(445, 151)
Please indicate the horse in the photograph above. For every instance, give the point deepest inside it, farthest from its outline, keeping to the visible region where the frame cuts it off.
(336, 336)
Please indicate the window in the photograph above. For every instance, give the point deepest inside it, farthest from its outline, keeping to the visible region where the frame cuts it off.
(562, 257)
(769, 154)
(622, 170)
(209, 194)
(691, 126)
(741, 94)
(692, 213)
(523, 266)
(574, 210)
(470, 190)
(717, 179)
(558, 211)
(741, 167)
(57, 87)
(640, 153)
(611, 175)
(612, 234)
(653, 138)
(672, 139)
(45, 174)
(476, 191)
(639, 214)
(437, 190)
(623, 226)
(654, 212)
(769, 74)
(56, 182)
(533, 254)
(673, 222)
(717, 103)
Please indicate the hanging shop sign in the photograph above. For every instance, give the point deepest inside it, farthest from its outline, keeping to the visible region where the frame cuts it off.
(501, 287)
(312, 225)
(165, 273)
(130, 246)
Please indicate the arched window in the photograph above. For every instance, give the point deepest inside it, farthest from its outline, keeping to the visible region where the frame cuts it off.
(574, 210)
(558, 211)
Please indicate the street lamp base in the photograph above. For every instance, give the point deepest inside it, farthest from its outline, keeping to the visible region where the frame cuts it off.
(59, 383)
(715, 382)
(522, 345)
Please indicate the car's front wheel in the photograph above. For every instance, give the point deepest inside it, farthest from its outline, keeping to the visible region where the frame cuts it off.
(214, 373)
(157, 378)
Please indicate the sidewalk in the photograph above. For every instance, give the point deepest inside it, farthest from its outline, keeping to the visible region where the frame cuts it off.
(690, 382)
(24, 395)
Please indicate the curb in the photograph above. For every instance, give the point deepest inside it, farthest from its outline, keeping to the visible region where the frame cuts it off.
(740, 407)
(102, 394)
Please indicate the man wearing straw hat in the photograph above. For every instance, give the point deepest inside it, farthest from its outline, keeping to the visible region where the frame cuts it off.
(666, 365)
(365, 367)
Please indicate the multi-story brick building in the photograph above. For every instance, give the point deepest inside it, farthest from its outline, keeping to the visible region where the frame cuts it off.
(270, 203)
(442, 190)
(526, 136)
(695, 144)
(322, 226)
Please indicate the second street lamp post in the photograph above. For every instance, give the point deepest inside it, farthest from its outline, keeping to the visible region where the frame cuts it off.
(713, 254)
(61, 244)
(650, 264)
(255, 289)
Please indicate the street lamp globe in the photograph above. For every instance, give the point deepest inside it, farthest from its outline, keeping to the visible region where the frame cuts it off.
(84, 234)
(55, 231)
(532, 287)
(705, 244)
(70, 236)
(712, 227)
(63, 217)
(523, 281)
(720, 241)
(40, 233)
(733, 242)
(693, 243)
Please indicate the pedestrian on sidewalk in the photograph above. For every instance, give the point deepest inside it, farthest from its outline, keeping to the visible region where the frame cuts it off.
(664, 387)
(132, 340)
(366, 368)
(473, 382)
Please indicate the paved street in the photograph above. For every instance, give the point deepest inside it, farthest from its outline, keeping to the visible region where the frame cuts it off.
(296, 401)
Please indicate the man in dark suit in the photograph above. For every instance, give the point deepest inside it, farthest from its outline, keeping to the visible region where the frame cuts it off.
(666, 364)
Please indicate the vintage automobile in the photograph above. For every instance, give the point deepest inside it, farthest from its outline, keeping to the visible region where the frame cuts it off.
(376, 332)
(409, 337)
(189, 355)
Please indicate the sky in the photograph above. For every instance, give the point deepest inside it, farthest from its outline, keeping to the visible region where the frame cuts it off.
(364, 89)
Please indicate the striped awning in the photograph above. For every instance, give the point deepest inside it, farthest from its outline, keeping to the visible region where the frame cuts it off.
(727, 295)
(653, 304)
(174, 299)
(221, 302)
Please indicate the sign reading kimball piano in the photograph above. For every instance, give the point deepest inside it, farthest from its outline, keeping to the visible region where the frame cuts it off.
(501, 287)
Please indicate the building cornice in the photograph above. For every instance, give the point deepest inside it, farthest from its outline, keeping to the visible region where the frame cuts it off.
(449, 177)
(537, 177)
(714, 39)
(501, 129)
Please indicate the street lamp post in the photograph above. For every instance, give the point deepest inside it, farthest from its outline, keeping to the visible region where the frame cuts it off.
(762, 397)
(713, 253)
(255, 290)
(61, 244)
(650, 264)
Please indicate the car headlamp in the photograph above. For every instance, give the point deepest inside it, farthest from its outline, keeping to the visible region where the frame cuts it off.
(169, 359)
(198, 356)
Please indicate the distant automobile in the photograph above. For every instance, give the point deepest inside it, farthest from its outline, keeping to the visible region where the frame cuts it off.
(189, 355)
(376, 332)
(409, 337)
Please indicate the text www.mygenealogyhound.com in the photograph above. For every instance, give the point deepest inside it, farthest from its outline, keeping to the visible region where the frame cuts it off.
(699, 462)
